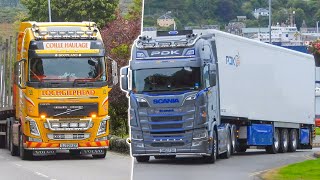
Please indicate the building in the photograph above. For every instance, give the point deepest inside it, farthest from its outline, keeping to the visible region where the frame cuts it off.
(165, 20)
(235, 27)
(260, 12)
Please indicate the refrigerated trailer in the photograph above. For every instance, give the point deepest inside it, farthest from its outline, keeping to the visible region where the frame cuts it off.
(210, 93)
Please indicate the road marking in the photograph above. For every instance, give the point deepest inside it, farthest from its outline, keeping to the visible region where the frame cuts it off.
(258, 172)
(40, 174)
(19, 165)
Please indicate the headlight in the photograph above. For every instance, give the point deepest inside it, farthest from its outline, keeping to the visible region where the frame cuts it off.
(82, 125)
(34, 130)
(197, 135)
(102, 128)
(55, 125)
(191, 97)
(73, 125)
(139, 99)
(132, 118)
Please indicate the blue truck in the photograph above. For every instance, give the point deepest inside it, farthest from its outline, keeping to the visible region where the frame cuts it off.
(210, 94)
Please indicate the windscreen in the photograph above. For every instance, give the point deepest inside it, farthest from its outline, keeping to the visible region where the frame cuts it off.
(67, 69)
(168, 79)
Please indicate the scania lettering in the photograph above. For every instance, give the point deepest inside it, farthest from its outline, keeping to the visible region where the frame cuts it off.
(219, 95)
(165, 101)
(60, 91)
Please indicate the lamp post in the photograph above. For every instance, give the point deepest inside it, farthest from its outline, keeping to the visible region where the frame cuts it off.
(270, 15)
(317, 29)
(49, 10)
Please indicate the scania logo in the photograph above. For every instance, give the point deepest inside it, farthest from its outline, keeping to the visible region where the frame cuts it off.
(165, 101)
(166, 53)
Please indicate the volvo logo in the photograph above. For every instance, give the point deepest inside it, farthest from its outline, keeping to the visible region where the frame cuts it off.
(165, 101)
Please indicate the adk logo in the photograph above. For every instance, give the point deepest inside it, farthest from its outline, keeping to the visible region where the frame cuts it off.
(165, 101)
(233, 61)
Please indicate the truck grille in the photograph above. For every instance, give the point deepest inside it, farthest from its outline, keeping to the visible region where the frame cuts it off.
(79, 136)
(166, 126)
(67, 110)
(167, 144)
(166, 118)
(69, 124)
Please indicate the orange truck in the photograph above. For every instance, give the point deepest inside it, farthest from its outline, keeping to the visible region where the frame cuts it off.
(60, 91)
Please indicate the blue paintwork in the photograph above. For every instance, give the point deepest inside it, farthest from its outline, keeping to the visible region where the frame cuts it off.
(260, 134)
(304, 136)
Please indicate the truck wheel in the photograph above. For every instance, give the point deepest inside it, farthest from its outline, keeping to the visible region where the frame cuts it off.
(213, 157)
(100, 156)
(24, 154)
(14, 150)
(233, 139)
(74, 152)
(293, 140)
(8, 134)
(227, 154)
(142, 158)
(274, 148)
(284, 141)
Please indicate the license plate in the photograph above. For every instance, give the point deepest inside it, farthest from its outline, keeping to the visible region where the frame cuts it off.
(92, 151)
(43, 152)
(68, 146)
(168, 150)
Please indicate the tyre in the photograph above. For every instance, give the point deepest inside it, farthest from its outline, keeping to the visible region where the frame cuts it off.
(2, 141)
(284, 141)
(274, 148)
(24, 154)
(8, 135)
(14, 150)
(227, 154)
(213, 157)
(100, 156)
(293, 140)
(165, 157)
(75, 152)
(233, 139)
(143, 158)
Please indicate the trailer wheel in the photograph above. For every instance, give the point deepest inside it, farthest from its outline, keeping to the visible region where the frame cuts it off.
(24, 154)
(100, 156)
(284, 141)
(293, 140)
(213, 157)
(142, 159)
(274, 148)
(227, 154)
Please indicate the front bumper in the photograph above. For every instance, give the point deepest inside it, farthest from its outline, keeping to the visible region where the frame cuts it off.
(56, 146)
(202, 148)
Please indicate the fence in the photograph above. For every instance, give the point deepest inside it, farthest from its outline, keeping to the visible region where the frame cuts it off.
(7, 56)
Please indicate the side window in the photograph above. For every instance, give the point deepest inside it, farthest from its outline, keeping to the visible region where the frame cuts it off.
(19, 74)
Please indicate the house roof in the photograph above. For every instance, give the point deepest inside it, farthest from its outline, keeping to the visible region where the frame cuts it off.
(165, 16)
(255, 30)
(261, 10)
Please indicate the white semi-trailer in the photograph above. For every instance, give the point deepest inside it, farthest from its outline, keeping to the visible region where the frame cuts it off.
(210, 93)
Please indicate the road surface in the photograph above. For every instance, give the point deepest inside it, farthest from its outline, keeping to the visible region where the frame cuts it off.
(64, 167)
(242, 166)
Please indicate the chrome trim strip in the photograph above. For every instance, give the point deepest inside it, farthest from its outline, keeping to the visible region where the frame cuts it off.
(101, 147)
(168, 154)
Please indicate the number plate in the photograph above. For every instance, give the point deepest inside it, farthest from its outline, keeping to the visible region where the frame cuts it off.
(68, 146)
(168, 150)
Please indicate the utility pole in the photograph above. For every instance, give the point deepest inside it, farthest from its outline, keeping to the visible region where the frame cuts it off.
(317, 29)
(49, 10)
(270, 15)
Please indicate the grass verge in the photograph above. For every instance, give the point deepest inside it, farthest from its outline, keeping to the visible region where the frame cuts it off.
(307, 170)
(317, 131)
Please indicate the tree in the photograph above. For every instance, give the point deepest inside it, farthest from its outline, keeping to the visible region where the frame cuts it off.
(99, 11)
(118, 37)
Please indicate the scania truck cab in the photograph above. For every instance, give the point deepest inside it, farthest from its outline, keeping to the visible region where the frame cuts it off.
(208, 93)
